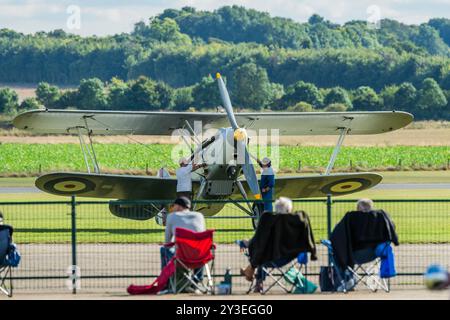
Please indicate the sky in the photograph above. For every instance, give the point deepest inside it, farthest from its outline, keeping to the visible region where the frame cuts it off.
(103, 17)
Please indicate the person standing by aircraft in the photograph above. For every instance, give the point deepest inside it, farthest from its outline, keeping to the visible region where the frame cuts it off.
(184, 178)
(267, 183)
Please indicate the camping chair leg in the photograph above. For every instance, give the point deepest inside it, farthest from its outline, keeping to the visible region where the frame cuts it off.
(175, 275)
(7, 277)
(210, 286)
(277, 280)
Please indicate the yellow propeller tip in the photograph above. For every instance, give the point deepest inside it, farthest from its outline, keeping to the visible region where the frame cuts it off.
(257, 196)
(217, 75)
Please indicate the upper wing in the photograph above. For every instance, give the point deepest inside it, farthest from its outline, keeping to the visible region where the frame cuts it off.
(321, 185)
(164, 123)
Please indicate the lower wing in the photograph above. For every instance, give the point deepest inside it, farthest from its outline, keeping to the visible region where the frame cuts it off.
(109, 186)
(322, 185)
(128, 187)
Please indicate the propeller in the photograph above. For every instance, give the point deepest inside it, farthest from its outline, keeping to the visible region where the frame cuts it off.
(240, 135)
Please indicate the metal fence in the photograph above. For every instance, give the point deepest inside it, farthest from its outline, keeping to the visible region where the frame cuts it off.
(111, 252)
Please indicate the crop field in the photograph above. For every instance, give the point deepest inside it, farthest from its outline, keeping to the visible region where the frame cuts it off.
(34, 158)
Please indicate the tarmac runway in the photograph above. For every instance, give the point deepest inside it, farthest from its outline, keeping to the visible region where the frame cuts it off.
(110, 268)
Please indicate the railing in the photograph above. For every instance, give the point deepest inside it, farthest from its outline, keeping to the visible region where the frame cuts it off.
(111, 252)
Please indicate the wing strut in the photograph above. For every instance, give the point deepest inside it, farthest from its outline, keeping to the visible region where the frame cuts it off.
(87, 149)
(336, 150)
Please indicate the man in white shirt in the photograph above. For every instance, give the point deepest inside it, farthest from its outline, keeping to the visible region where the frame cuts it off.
(184, 179)
(181, 217)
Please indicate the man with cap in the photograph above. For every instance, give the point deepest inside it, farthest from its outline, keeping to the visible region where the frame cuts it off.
(180, 217)
(184, 179)
(267, 183)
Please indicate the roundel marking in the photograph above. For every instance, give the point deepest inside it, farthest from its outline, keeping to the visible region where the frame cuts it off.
(69, 186)
(346, 186)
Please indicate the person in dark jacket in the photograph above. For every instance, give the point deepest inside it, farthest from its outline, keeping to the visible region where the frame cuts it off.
(267, 183)
(278, 239)
(361, 229)
(4, 226)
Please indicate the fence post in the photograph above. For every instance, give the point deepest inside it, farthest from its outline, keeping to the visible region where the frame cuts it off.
(74, 245)
(329, 223)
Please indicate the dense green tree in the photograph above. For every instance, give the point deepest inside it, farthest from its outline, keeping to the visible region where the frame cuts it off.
(336, 107)
(47, 94)
(68, 99)
(301, 107)
(165, 95)
(183, 99)
(429, 38)
(251, 87)
(301, 91)
(405, 97)
(443, 26)
(118, 97)
(206, 94)
(338, 95)
(92, 94)
(30, 104)
(143, 94)
(9, 101)
(162, 30)
(366, 99)
(387, 96)
(431, 97)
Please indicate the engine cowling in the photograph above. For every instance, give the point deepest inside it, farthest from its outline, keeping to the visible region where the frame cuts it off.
(133, 211)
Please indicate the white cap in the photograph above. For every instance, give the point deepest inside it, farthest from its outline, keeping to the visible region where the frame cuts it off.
(265, 161)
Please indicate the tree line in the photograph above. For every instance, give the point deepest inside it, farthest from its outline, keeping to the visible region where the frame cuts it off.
(268, 61)
(250, 90)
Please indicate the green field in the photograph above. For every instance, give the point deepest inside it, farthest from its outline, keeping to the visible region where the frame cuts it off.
(33, 158)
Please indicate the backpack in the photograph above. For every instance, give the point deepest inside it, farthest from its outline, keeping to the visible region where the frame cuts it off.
(13, 256)
(327, 279)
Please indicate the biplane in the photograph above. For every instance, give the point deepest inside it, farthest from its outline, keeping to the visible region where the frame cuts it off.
(224, 177)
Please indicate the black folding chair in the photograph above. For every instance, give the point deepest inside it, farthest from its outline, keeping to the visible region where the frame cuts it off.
(365, 270)
(278, 272)
(6, 286)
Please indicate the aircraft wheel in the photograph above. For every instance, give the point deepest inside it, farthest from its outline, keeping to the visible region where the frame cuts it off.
(258, 209)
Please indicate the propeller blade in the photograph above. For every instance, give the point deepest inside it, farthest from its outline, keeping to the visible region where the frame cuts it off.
(226, 102)
(250, 174)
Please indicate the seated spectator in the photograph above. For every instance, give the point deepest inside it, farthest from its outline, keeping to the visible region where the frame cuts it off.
(361, 229)
(180, 217)
(4, 226)
(278, 239)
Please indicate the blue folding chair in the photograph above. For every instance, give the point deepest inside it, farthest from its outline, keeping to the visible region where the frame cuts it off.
(5, 268)
(366, 269)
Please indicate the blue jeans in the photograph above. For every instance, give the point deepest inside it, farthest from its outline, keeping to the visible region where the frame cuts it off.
(267, 199)
(168, 253)
(261, 275)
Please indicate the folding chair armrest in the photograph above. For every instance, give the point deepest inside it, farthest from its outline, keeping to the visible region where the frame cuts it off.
(169, 244)
(326, 243)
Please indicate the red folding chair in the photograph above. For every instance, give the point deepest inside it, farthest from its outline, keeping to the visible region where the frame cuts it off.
(193, 252)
